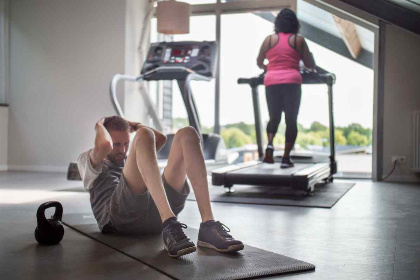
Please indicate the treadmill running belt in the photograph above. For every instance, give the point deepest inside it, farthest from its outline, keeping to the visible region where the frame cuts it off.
(270, 169)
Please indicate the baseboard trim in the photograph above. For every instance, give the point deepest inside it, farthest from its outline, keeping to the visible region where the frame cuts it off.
(403, 179)
(45, 168)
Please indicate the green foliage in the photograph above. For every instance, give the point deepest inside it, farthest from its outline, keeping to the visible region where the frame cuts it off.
(356, 139)
(279, 140)
(340, 139)
(248, 129)
(355, 127)
(239, 134)
(234, 137)
(309, 138)
(317, 126)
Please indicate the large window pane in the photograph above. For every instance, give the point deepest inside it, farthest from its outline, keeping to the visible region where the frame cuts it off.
(353, 95)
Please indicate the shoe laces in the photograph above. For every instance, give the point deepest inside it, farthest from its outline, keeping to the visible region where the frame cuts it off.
(178, 233)
(222, 229)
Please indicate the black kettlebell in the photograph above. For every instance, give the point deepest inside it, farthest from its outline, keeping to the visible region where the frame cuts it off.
(49, 231)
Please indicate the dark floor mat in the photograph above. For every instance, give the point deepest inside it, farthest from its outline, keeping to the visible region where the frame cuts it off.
(324, 195)
(203, 264)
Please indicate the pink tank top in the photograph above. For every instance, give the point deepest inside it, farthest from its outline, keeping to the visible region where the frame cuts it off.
(283, 63)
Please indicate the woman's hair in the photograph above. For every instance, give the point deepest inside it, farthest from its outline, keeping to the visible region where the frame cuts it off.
(286, 22)
(116, 123)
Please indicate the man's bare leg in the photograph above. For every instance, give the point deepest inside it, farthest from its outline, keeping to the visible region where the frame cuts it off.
(141, 171)
(186, 159)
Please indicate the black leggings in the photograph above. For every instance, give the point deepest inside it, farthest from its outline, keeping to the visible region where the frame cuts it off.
(283, 98)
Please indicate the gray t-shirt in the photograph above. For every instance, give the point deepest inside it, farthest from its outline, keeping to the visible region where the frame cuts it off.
(101, 183)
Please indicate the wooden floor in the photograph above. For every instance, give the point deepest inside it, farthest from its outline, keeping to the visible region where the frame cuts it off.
(373, 232)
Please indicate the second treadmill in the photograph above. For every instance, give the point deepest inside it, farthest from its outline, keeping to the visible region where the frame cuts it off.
(307, 171)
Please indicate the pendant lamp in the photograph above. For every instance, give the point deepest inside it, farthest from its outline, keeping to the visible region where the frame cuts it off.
(173, 17)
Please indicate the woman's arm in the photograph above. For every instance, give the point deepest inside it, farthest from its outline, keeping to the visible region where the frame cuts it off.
(307, 57)
(261, 55)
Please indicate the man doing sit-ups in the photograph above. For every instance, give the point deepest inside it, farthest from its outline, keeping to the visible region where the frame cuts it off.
(128, 194)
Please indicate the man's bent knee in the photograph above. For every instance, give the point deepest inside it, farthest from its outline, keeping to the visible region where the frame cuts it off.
(144, 134)
(188, 133)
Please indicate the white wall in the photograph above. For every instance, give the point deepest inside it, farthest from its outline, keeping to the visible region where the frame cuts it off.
(4, 120)
(401, 98)
(136, 11)
(62, 57)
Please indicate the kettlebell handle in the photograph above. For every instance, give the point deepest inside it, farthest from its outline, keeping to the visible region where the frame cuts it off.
(58, 214)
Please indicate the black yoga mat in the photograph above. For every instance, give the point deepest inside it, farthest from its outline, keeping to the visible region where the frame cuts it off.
(324, 195)
(202, 264)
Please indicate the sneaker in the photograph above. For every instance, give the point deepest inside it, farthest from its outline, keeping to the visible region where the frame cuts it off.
(174, 239)
(214, 235)
(286, 162)
(268, 158)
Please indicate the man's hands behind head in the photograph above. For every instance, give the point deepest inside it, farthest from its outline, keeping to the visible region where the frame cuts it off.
(134, 126)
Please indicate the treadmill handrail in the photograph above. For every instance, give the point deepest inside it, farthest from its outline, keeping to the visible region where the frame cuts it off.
(113, 92)
(113, 89)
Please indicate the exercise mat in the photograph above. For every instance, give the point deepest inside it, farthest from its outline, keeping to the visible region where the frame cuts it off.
(202, 264)
(324, 195)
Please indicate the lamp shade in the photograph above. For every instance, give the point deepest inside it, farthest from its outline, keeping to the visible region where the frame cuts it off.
(173, 17)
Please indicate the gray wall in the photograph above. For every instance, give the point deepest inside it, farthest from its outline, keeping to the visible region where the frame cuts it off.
(401, 99)
(62, 57)
(4, 120)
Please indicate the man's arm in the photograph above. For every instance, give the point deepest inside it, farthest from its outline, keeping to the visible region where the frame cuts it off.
(103, 144)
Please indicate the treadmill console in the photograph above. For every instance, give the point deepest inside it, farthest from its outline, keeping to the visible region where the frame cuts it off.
(198, 57)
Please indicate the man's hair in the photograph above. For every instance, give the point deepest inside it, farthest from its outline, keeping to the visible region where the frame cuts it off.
(116, 123)
(286, 22)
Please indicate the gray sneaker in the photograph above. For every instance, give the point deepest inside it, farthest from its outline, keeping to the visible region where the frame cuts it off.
(214, 235)
(174, 239)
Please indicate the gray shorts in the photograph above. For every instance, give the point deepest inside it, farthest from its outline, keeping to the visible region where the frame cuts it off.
(137, 214)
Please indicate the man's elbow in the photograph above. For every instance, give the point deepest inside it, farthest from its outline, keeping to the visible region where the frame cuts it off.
(105, 147)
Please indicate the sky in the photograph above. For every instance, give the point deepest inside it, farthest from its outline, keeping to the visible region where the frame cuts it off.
(241, 38)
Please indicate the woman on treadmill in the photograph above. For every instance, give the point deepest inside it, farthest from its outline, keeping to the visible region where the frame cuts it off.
(284, 50)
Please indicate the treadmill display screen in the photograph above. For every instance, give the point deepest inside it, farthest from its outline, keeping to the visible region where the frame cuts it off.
(180, 55)
(181, 52)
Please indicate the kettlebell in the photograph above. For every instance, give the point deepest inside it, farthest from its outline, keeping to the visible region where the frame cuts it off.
(49, 231)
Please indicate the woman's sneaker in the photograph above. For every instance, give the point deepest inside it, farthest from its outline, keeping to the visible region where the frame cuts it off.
(174, 239)
(268, 158)
(214, 235)
(286, 162)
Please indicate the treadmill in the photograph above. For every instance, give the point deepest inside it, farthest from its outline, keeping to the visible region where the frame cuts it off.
(308, 170)
(184, 62)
